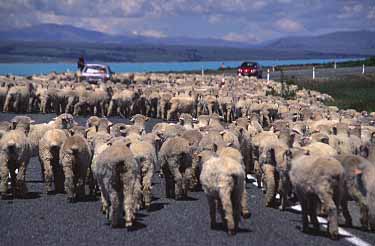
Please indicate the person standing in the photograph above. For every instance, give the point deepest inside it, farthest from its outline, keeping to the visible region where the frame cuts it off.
(81, 63)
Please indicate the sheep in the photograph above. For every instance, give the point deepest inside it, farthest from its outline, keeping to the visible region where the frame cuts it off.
(5, 126)
(176, 163)
(223, 180)
(145, 155)
(75, 156)
(360, 187)
(49, 154)
(318, 179)
(15, 153)
(117, 172)
(63, 121)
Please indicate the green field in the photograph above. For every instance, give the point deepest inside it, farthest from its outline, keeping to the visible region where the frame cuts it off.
(350, 92)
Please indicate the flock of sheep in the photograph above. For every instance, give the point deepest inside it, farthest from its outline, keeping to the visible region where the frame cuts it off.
(226, 128)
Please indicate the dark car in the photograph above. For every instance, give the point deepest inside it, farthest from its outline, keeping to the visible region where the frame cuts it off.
(250, 69)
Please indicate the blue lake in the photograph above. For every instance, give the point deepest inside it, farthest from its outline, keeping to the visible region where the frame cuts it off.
(43, 68)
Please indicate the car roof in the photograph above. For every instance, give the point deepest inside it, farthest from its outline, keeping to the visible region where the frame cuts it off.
(95, 65)
(249, 63)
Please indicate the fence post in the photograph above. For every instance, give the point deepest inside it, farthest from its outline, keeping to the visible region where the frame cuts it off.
(268, 75)
(202, 72)
(273, 68)
(334, 65)
(363, 69)
(313, 72)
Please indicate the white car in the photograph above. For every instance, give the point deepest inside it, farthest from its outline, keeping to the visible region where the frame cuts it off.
(93, 73)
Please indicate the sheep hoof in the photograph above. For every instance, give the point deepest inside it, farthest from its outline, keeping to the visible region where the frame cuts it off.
(348, 224)
(334, 235)
(72, 199)
(128, 224)
(231, 232)
(246, 215)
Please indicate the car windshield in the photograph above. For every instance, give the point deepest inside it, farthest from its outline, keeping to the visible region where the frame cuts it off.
(95, 70)
(249, 64)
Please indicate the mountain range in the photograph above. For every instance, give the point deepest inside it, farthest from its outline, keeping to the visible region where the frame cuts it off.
(53, 42)
(67, 33)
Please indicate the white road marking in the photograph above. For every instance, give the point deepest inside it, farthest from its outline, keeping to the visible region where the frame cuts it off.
(347, 235)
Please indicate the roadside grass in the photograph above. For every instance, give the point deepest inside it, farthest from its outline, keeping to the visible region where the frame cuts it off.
(350, 92)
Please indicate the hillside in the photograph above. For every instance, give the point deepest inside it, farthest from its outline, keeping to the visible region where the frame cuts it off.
(59, 43)
(356, 42)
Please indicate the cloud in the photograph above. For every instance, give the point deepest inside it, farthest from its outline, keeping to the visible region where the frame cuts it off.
(232, 19)
(350, 10)
(150, 33)
(288, 25)
(371, 14)
(240, 37)
(214, 19)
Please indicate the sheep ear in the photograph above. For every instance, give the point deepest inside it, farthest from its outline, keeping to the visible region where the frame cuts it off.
(357, 171)
(222, 133)
(14, 124)
(215, 147)
(128, 144)
(147, 118)
(131, 119)
(32, 121)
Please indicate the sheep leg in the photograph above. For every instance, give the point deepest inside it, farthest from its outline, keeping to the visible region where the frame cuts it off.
(326, 199)
(146, 182)
(115, 211)
(171, 111)
(284, 191)
(178, 189)
(212, 206)
(313, 213)
(225, 197)
(20, 180)
(169, 184)
(194, 176)
(13, 181)
(4, 172)
(69, 182)
(6, 104)
(244, 208)
(269, 176)
(186, 180)
(305, 220)
(361, 200)
(258, 174)
(42, 170)
(345, 211)
(80, 187)
(129, 199)
(58, 174)
(48, 174)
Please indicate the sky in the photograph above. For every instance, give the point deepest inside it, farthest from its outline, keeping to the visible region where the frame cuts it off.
(249, 21)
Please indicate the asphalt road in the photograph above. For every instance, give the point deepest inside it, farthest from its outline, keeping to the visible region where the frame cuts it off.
(320, 73)
(50, 220)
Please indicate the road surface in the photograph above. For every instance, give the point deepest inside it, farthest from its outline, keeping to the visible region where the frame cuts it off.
(50, 220)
